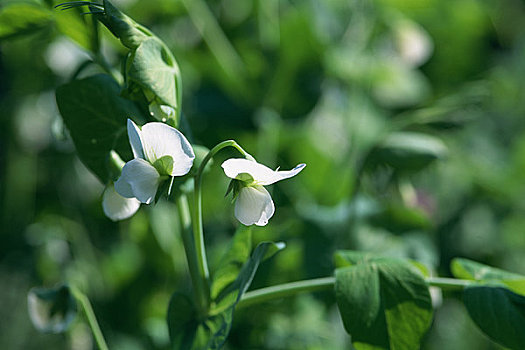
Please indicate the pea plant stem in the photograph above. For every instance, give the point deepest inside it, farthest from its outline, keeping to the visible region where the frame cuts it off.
(199, 280)
(327, 283)
(448, 283)
(285, 290)
(197, 243)
(91, 318)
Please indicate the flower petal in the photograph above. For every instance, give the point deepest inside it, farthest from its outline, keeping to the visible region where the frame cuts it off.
(117, 207)
(159, 140)
(134, 139)
(254, 205)
(123, 188)
(141, 177)
(261, 174)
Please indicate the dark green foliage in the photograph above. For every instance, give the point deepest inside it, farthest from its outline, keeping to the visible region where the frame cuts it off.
(96, 115)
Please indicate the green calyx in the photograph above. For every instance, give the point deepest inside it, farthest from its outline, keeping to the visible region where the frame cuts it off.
(242, 180)
(164, 165)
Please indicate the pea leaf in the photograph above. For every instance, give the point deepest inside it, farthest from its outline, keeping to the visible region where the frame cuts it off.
(187, 330)
(384, 302)
(343, 258)
(498, 312)
(17, 19)
(96, 117)
(408, 151)
(52, 310)
(468, 269)
(233, 260)
(78, 28)
(153, 68)
(231, 295)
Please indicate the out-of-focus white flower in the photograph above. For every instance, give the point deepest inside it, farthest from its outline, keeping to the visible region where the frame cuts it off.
(117, 207)
(414, 44)
(160, 151)
(254, 205)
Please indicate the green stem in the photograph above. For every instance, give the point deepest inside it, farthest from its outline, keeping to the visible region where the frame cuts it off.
(285, 290)
(198, 232)
(448, 283)
(91, 318)
(200, 284)
(327, 283)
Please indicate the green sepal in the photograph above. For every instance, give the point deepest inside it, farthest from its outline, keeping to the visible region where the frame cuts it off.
(164, 165)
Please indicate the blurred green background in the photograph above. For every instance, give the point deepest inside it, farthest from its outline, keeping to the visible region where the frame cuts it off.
(408, 113)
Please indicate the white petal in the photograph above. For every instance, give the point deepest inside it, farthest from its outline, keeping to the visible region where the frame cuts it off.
(260, 173)
(141, 177)
(134, 139)
(117, 207)
(254, 205)
(159, 139)
(123, 188)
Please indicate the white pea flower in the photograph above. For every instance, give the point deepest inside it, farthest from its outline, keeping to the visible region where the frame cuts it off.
(117, 207)
(254, 204)
(160, 151)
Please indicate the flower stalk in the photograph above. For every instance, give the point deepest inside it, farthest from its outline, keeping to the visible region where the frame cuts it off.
(197, 243)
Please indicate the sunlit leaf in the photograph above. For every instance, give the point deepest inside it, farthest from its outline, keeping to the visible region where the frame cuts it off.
(468, 269)
(77, 27)
(384, 303)
(151, 67)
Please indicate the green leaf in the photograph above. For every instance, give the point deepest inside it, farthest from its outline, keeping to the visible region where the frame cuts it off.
(187, 330)
(384, 303)
(78, 28)
(230, 296)
(233, 260)
(96, 117)
(408, 151)
(471, 270)
(344, 258)
(498, 312)
(51, 309)
(153, 69)
(396, 217)
(18, 19)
